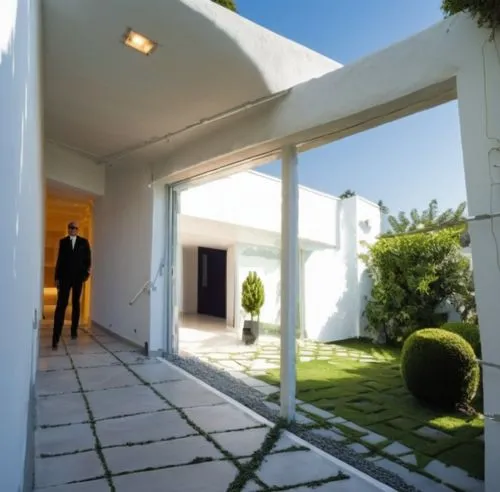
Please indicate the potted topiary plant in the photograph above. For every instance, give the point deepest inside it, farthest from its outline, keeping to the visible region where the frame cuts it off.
(252, 300)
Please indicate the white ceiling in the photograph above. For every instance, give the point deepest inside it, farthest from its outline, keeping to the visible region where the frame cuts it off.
(102, 98)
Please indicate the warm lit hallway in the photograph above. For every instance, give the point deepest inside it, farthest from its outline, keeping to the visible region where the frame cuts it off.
(63, 205)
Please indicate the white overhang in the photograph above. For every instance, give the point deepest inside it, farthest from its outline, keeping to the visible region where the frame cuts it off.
(106, 100)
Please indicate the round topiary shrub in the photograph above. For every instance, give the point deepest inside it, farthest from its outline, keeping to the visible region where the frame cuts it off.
(468, 332)
(440, 368)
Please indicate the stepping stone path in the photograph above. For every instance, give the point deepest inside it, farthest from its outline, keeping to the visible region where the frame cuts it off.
(248, 361)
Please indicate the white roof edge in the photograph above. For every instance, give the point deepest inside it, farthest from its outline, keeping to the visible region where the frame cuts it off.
(279, 51)
(302, 187)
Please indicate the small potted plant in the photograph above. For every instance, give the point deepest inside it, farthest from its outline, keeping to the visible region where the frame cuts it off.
(252, 300)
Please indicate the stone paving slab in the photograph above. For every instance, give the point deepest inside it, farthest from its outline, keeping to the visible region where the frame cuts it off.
(66, 439)
(288, 469)
(252, 487)
(350, 485)
(53, 363)
(454, 476)
(317, 411)
(85, 348)
(158, 373)
(142, 428)
(160, 454)
(61, 409)
(188, 393)
(221, 418)
(91, 486)
(246, 442)
(147, 444)
(93, 360)
(64, 469)
(136, 358)
(204, 477)
(416, 479)
(124, 401)
(242, 443)
(49, 383)
(100, 378)
(397, 449)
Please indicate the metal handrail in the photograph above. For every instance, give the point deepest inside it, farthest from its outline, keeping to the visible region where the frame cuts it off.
(144, 288)
(488, 364)
(149, 285)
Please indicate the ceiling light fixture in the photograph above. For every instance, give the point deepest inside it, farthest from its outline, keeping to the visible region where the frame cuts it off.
(139, 42)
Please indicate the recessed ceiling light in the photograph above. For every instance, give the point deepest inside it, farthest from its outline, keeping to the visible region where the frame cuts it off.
(139, 42)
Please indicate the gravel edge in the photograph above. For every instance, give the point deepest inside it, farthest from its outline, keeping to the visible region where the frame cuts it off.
(253, 399)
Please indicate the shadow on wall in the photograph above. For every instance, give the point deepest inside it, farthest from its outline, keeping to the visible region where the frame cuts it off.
(343, 321)
(365, 291)
(336, 323)
(242, 78)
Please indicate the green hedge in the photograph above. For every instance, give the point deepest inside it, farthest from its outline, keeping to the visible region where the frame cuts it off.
(440, 368)
(468, 332)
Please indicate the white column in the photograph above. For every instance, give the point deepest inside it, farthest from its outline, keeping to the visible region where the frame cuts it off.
(289, 277)
(21, 242)
(479, 106)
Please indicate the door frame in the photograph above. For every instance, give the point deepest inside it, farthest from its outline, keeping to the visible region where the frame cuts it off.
(172, 283)
(172, 245)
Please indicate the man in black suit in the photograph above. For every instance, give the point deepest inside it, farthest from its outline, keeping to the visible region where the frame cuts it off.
(72, 270)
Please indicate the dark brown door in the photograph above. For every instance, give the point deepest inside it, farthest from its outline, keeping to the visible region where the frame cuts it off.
(212, 282)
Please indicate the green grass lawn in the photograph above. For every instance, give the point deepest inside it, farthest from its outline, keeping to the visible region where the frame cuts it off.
(362, 383)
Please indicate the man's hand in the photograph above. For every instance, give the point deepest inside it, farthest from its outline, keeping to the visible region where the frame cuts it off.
(57, 284)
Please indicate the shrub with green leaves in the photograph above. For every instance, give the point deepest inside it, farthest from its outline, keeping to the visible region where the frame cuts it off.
(413, 275)
(229, 4)
(486, 12)
(440, 368)
(252, 295)
(469, 332)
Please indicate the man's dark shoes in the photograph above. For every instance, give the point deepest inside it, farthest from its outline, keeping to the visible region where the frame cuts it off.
(74, 337)
(54, 346)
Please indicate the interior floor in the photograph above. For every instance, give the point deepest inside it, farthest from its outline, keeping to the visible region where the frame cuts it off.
(197, 331)
(200, 334)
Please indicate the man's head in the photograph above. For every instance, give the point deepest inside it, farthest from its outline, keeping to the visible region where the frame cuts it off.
(72, 228)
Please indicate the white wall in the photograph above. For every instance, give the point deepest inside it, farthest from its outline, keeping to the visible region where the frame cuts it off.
(68, 167)
(369, 226)
(122, 253)
(335, 282)
(21, 244)
(266, 262)
(253, 200)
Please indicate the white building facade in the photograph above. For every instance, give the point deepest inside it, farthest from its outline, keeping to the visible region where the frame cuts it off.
(240, 215)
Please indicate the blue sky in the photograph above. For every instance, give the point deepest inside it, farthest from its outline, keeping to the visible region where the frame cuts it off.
(405, 163)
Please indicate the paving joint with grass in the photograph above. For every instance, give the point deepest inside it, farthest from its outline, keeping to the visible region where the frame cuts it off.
(368, 402)
(97, 441)
(247, 472)
(238, 390)
(185, 417)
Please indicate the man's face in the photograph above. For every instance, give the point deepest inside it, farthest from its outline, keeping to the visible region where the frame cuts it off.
(72, 229)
